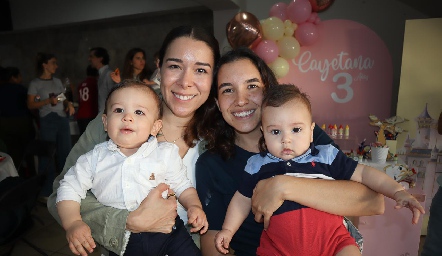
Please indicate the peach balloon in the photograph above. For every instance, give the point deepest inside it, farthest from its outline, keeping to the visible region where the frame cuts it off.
(273, 28)
(288, 47)
(280, 67)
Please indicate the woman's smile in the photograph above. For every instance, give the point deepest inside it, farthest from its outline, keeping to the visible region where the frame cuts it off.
(244, 114)
(183, 97)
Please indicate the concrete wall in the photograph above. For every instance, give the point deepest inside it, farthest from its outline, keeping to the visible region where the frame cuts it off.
(34, 14)
(71, 43)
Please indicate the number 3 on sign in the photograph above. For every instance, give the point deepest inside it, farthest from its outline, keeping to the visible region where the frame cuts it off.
(345, 86)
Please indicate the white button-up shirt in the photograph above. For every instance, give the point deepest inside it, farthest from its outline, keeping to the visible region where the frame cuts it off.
(123, 182)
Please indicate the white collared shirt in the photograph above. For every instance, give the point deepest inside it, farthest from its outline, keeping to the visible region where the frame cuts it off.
(123, 182)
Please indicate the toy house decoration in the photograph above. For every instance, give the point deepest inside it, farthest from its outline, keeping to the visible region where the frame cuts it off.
(423, 154)
(424, 122)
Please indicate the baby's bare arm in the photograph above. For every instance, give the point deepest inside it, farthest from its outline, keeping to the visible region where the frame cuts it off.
(384, 184)
(196, 216)
(78, 233)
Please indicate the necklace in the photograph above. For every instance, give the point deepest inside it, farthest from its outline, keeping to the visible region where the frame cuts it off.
(160, 133)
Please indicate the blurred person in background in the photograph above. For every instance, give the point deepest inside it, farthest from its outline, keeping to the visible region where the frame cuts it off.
(87, 99)
(16, 127)
(99, 59)
(43, 95)
(134, 67)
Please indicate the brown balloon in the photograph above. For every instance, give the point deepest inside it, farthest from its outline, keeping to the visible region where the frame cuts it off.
(244, 30)
(320, 5)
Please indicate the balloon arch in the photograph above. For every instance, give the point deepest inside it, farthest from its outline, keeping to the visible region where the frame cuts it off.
(278, 38)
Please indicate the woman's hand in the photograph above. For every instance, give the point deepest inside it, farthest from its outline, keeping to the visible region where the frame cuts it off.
(53, 100)
(155, 213)
(267, 198)
(69, 108)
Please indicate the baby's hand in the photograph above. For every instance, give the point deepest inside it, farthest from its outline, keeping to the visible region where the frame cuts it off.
(222, 240)
(198, 220)
(80, 238)
(404, 199)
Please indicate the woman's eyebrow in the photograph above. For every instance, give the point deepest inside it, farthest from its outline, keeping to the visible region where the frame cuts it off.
(181, 61)
(253, 80)
(224, 85)
(203, 64)
(174, 59)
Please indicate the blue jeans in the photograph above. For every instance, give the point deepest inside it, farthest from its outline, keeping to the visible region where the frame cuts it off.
(433, 240)
(56, 129)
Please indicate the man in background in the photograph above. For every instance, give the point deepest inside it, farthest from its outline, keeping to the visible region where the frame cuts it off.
(99, 59)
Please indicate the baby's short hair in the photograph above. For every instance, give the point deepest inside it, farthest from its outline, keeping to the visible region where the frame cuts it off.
(129, 83)
(278, 95)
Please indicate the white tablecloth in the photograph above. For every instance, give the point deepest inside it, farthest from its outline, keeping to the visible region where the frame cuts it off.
(7, 167)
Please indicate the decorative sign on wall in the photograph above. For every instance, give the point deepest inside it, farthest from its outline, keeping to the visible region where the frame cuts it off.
(348, 74)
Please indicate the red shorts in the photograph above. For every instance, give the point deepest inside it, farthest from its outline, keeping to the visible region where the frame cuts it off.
(305, 232)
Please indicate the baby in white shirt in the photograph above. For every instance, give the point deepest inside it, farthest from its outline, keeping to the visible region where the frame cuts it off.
(121, 172)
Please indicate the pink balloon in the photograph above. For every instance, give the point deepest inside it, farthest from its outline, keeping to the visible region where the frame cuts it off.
(317, 21)
(267, 50)
(299, 11)
(307, 34)
(279, 10)
(312, 17)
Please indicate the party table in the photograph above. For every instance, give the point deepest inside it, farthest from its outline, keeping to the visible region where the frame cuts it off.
(7, 167)
(391, 233)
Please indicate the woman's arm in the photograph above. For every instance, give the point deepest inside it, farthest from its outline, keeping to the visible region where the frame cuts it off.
(32, 104)
(69, 107)
(347, 198)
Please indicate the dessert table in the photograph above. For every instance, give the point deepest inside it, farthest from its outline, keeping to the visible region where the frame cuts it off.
(7, 167)
(391, 233)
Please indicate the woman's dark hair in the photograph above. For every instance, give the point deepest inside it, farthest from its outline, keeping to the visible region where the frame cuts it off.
(128, 68)
(276, 96)
(129, 83)
(219, 135)
(191, 132)
(100, 52)
(40, 59)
